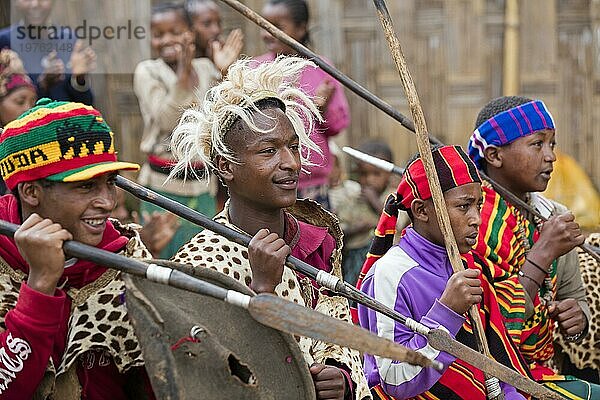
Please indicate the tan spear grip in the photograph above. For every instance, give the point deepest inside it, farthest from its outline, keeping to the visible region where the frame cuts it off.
(428, 163)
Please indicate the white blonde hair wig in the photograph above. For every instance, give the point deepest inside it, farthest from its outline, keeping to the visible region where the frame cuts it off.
(201, 131)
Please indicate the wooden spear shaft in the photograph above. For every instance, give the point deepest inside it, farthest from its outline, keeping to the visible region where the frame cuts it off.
(494, 391)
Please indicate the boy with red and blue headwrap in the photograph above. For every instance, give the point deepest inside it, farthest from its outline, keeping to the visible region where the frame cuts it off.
(534, 265)
(415, 278)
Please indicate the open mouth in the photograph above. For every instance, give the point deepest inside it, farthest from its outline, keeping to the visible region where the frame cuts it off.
(546, 174)
(96, 224)
(288, 183)
(168, 51)
(471, 239)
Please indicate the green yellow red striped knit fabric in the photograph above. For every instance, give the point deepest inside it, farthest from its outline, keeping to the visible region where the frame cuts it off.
(505, 235)
(59, 141)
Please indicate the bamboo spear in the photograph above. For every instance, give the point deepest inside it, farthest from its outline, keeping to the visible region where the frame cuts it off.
(371, 98)
(267, 309)
(492, 384)
(438, 338)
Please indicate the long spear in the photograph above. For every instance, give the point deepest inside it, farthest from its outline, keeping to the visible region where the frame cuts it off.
(268, 309)
(370, 97)
(438, 338)
(492, 384)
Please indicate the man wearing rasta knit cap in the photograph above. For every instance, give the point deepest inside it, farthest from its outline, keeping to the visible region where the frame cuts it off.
(66, 333)
(534, 266)
(416, 279)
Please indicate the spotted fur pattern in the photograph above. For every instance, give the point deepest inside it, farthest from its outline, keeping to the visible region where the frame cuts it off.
(98, 321)
(587, 353)
(210, 250)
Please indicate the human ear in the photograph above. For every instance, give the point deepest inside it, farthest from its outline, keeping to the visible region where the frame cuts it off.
(223, 169)
(29, 193)
(493, 156)
(419, 210)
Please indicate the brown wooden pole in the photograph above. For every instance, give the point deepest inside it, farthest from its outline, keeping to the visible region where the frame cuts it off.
(493, 386)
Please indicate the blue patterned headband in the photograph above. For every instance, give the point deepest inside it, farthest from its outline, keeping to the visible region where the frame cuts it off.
(509, 126)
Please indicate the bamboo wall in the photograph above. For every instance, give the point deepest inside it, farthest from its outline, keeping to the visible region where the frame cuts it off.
(454, 50)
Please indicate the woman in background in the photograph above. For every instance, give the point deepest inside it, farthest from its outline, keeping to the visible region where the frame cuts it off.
(291, 16)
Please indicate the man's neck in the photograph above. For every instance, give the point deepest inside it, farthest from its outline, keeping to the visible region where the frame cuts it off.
(423, 231)
(506, 183)
(251, 219)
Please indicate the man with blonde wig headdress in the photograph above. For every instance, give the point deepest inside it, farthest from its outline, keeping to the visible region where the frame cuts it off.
(252, 133)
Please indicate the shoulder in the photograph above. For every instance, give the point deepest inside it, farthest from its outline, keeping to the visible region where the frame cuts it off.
(264, 58)
(351, 188)
(394, 265)
(388, 274)
(135, 247)
(147, 66)
(210, 248)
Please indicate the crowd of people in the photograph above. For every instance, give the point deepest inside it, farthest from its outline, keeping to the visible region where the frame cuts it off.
(248, 142)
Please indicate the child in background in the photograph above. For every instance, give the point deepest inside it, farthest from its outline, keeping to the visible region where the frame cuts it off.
(164, 86)
(358, 205)
(205, 18)
(291, 16)
(58, 63)
(159, 227)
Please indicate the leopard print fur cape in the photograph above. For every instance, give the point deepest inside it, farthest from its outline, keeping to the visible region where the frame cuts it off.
(586, 354)
(98, 322)
(208, 249)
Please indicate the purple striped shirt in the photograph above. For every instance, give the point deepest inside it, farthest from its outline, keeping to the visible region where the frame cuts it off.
(411, 277)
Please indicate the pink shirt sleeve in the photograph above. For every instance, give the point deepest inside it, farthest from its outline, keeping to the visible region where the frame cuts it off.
(337, 114)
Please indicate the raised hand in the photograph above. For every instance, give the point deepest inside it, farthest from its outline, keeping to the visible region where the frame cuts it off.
(329, 381)
(462, 291)
(323, 94)
(158, 230)
(267, 253)
(54, 70)
(224, 54)
(83, 59)
(40, 243)
(370, 195)
(559, 235)
(187, 77)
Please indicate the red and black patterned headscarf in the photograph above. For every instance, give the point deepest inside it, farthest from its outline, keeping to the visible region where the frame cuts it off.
(454, 168)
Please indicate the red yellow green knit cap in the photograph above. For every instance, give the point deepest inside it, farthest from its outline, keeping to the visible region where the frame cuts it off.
(58, 141)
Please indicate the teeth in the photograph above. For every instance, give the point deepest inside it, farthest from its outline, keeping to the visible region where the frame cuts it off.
(94, 222)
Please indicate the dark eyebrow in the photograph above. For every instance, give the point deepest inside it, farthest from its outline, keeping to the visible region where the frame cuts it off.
(267, 140)
(466, 197)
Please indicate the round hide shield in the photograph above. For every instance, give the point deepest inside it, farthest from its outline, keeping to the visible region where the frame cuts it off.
(231, 356)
